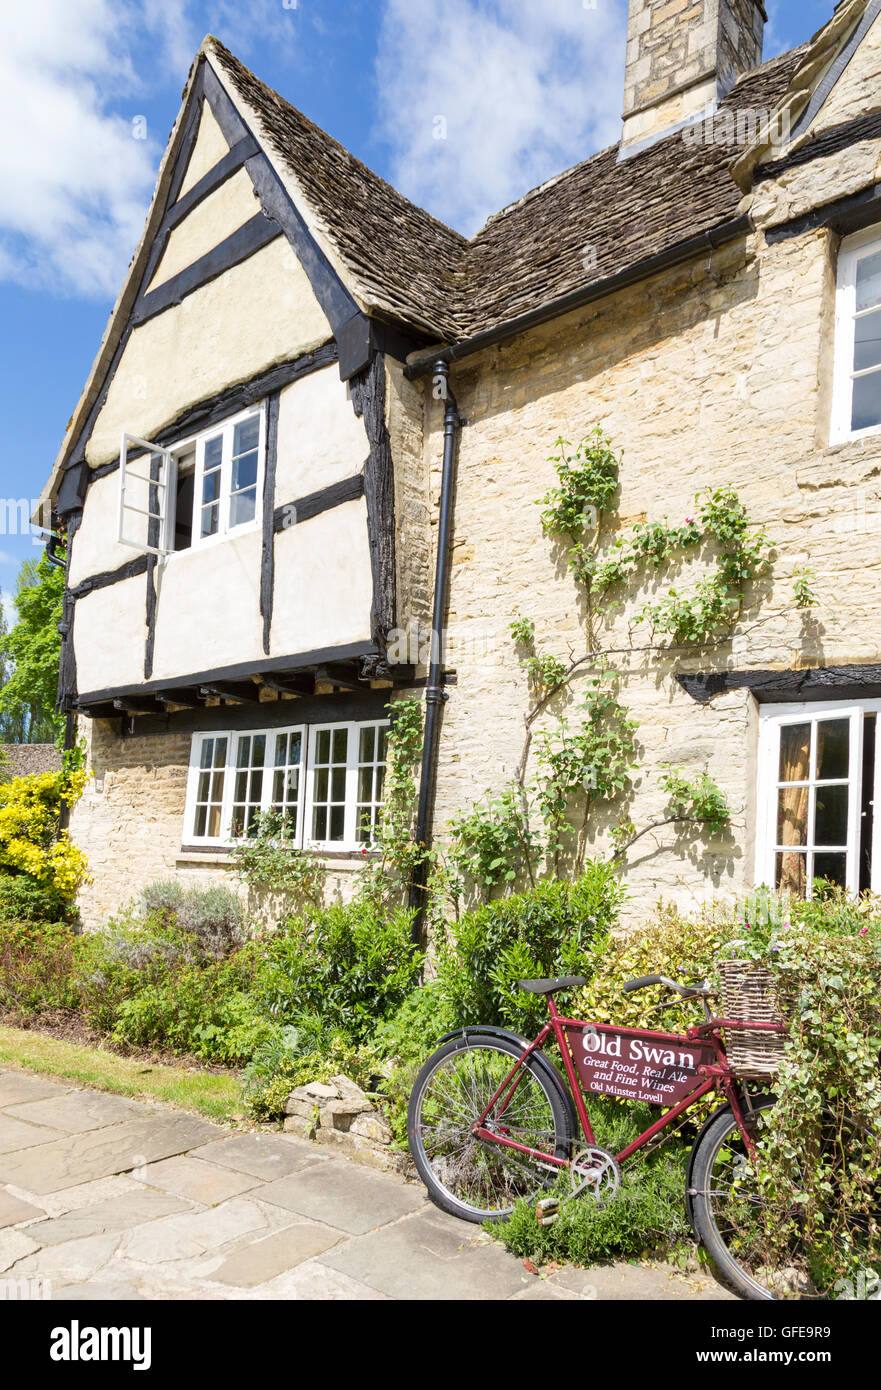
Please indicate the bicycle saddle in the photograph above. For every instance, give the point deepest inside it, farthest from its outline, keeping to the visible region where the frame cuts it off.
(551, 986)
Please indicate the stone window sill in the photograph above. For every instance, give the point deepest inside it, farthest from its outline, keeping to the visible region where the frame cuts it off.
(343, 862)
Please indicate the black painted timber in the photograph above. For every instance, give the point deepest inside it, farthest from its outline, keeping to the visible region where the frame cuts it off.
(256, 233)
(781, 687)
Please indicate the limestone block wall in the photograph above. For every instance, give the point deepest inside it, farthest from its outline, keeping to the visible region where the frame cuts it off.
(130, 823)
(714, 373)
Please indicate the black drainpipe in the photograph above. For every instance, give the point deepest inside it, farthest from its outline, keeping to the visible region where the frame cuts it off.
(70, 721)
(435, 694)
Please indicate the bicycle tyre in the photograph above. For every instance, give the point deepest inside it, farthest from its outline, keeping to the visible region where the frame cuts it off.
(504, 1176)
(710, 1141)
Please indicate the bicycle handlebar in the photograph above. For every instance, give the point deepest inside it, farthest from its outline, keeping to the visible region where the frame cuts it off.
(687, 991)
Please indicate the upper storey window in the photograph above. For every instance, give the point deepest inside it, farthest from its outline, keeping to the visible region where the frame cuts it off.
(857, 400)
(200, 489)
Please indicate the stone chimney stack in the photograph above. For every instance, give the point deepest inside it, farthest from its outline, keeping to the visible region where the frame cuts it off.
(683, 56)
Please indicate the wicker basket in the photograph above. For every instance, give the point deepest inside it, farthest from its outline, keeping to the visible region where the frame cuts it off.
(748, 994)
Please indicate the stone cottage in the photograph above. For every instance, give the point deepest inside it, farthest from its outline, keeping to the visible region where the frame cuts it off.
(318, 417)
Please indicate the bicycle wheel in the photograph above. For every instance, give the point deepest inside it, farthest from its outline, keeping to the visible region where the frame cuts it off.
(466, 1176)
(730, 1215)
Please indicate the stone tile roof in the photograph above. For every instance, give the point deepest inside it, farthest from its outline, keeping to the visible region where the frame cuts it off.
(23, 759)
(598, 219)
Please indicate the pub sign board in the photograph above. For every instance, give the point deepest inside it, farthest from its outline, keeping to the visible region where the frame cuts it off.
(659, 1070)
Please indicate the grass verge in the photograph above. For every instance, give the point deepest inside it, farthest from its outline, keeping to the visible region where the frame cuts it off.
(216, 1097)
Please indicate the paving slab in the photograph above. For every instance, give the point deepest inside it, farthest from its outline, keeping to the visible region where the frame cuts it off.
(187, 1236)
(17, 1134)
(196, 1179)
(263, 1156)
(99, 1153)
(84, 1194)
(103, 1293)
(13, 1209)
(263, 1260)
(14, 1245)
(72, 1262)
(344, 1196)
(314, 1282)
(645, 1283)
(421, 1258)
(18, 1086)
(76, 1112)
(116, 1214)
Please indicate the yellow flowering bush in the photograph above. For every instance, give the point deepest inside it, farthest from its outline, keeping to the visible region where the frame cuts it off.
(30, 839)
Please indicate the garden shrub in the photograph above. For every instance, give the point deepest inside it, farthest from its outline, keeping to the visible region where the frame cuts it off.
(647, 1216)
(37, 966)
(557, 928)
(214, 916)
(685, 949)
(23, 899)
(820, 1149)
(351, 964)
(30, 840)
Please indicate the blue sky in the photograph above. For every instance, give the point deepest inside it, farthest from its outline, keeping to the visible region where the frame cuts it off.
(89, 90)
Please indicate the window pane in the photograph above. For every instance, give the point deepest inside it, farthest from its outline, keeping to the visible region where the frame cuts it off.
(213, 452)
(832, 867)
(201, 817)
(867, 344)
(319, 823)
(214, 822)
(338, 784)
(340, 745)
(243, 507)
(869, 281)
(830, 821)
(247, 435)
(210, 520)
(833, 748)
(368, 741)
(866, 412)
(337, 822)
(219, 752)
(207, 752)
(792, 816)
(795, 752)
(211, 487)
(365, 784)
(322, 746)
(204, 783)
(321, 783)
(244, 472)
(791, 873)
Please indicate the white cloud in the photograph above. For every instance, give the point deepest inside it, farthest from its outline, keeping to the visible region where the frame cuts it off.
(74, 183)
(526, 90)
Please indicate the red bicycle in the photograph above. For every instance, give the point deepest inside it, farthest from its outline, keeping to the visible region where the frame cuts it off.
(491, 1121)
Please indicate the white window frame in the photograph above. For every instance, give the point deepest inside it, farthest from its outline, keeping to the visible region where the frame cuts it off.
(853, 250)
(772, 718)
(166, 485)
(308, 734)
(349, 840)
(171, 456)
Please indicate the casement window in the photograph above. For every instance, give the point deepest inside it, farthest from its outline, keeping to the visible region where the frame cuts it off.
(327, 781)
(856, 407)
(196, 491)
(819, 771)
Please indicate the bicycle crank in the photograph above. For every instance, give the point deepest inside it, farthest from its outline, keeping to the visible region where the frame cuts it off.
(594, 1171)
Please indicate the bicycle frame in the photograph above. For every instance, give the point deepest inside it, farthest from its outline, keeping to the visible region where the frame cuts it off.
(697, 1042)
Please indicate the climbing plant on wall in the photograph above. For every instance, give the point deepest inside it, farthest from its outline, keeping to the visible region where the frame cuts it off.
(578, 757)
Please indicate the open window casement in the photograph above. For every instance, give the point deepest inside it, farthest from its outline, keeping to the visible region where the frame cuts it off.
(147, 479)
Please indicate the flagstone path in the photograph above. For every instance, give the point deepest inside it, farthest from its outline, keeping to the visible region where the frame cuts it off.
(102, 1197)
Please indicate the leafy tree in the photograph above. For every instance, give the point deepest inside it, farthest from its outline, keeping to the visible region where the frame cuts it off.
(30, 654)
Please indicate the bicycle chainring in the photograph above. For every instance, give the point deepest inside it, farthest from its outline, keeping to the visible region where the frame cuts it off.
(595, 1173)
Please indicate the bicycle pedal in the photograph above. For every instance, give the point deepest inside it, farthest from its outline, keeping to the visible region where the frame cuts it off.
(547, 1210)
